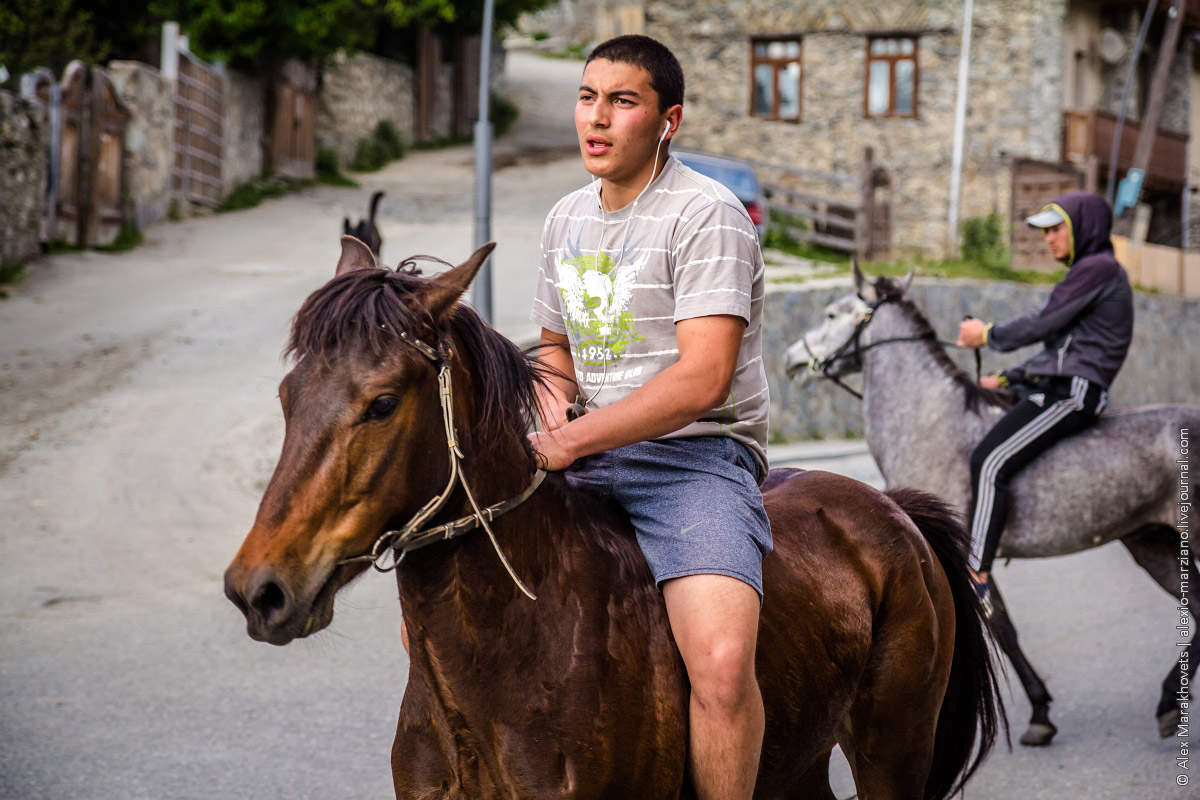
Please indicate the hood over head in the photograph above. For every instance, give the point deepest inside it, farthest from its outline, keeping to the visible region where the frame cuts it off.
(1089, 221)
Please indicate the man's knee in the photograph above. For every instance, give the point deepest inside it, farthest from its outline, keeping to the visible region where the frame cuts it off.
(721, 672)
(978, 456)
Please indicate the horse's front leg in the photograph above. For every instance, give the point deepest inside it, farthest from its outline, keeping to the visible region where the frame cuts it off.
(1041, 730)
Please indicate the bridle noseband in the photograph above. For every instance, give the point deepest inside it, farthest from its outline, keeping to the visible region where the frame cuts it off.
(822, 367)
(411, 536)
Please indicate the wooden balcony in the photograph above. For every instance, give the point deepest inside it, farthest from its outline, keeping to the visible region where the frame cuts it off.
(1191, 10)
(1087, 138)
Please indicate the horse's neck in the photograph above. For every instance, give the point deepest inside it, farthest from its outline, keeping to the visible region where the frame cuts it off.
(909, 402)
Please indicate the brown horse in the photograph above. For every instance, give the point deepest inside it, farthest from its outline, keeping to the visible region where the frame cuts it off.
(871, 636)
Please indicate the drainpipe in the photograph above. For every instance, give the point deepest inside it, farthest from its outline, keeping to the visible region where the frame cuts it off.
(482, 297)
(960, 119)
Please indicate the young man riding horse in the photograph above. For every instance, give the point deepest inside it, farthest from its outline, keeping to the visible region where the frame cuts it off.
(650, 296)
(1086, 327)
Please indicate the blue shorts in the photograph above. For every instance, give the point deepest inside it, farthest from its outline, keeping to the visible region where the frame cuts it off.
(694, 503)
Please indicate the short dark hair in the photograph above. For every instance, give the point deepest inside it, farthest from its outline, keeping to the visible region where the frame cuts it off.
(666, 76)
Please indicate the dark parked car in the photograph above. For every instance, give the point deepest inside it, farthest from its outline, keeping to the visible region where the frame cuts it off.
(738, 177)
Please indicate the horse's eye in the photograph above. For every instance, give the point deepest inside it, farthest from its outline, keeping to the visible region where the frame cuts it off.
(831, 315)
(380, 408)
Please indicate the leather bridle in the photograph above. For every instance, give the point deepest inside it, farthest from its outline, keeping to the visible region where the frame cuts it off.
(411, 536)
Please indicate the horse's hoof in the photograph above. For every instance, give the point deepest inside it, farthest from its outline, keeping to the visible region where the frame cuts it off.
(1168, 723)
(1039, 734)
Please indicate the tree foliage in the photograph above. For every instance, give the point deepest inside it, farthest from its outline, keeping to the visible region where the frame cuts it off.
(51, 33)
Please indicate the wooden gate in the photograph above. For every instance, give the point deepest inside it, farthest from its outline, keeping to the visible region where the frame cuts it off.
(293, 150)
(199, 122)
(1034, 184)
(91, 158)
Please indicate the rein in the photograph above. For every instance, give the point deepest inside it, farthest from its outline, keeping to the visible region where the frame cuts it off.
(823, 366)
(412, 536)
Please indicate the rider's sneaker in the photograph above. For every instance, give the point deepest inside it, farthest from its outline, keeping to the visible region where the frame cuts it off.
(983, 591)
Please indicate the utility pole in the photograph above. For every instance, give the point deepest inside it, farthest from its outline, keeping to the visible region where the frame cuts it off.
(960, 118)
(1158, 91)
(482, 296)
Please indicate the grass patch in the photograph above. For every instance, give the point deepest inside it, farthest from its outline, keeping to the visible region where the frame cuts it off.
(984, 257)
(128, 238)
(62, 246)
(253, 192)
(572, 52)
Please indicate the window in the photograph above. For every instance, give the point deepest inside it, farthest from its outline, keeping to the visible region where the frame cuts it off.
(892, 77)
(775, 77)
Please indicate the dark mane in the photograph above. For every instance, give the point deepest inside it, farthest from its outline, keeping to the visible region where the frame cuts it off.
(365, 310)
(973, 393)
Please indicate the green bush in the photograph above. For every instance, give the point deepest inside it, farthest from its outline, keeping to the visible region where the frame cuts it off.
(985, 240)
(328, 171)
(502, 113)
(386, 135)
(383, 145)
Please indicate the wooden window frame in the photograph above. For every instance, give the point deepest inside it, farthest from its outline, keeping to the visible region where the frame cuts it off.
(776, 64)
(891, 60)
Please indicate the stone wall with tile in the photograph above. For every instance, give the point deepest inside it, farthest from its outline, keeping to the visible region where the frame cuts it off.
(24, 143)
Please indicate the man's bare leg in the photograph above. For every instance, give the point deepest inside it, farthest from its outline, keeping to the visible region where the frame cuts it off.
(714, 619)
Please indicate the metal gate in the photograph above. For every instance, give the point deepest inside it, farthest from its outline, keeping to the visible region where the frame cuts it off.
(91, 157)
(199, 119)
(1034, 184)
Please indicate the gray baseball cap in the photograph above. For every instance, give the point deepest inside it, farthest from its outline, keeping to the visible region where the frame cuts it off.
(1048, 217)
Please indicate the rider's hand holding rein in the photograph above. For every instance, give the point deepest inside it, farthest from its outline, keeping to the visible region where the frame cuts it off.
(972, 333)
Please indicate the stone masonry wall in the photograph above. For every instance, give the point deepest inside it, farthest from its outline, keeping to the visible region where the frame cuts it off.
(24, 139)
(244, 129)
(150, 99)
(1014, 104)
(1158, 369)
(359, 91)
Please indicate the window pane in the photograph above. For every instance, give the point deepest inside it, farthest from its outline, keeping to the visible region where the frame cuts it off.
(789, 91)
(906, 47)
(878, 46)
(904, 87)
(763, 75)
(793, 50)
(760, 49)
(893, 47)
(877, 88)
(776, 50)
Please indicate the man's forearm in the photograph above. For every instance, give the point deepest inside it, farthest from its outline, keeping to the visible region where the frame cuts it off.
(673, 399)
(558, 387)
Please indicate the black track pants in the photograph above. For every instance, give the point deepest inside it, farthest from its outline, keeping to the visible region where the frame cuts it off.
(1066, 406)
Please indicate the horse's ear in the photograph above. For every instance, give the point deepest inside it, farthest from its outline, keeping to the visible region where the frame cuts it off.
(355, 255)
(450, 285)
(860, 280)
(908, 279)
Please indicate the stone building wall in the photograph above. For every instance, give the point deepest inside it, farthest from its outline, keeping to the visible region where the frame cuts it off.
(1157, 370)
(24, 143)
(1014, 104)
(244, 129)
(150, 99)
(359, 91)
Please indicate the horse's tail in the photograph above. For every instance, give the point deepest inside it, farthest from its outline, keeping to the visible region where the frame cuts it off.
(374, 205)
(973, 705)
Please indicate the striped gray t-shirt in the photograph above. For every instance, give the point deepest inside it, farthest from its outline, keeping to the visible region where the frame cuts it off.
(616, 283)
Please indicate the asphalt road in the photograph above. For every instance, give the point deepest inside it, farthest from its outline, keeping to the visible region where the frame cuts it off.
(139, 427)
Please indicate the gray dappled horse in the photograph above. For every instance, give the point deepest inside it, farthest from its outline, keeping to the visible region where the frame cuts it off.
(924, 415)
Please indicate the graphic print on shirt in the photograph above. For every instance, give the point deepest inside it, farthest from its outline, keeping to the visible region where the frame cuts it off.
(595, 291)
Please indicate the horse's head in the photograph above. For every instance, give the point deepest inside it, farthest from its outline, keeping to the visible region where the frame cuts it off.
(829, 348)
(364, 443)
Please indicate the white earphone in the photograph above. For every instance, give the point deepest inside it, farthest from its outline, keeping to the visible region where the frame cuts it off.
(666, 130)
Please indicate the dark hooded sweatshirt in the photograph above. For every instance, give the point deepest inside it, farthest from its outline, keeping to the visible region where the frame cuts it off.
(1087, 323)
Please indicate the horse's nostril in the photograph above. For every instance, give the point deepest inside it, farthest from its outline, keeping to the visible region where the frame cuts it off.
(268, 599)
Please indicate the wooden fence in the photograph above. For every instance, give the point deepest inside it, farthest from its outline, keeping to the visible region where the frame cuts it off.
(1154, 266)
(826, 218)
